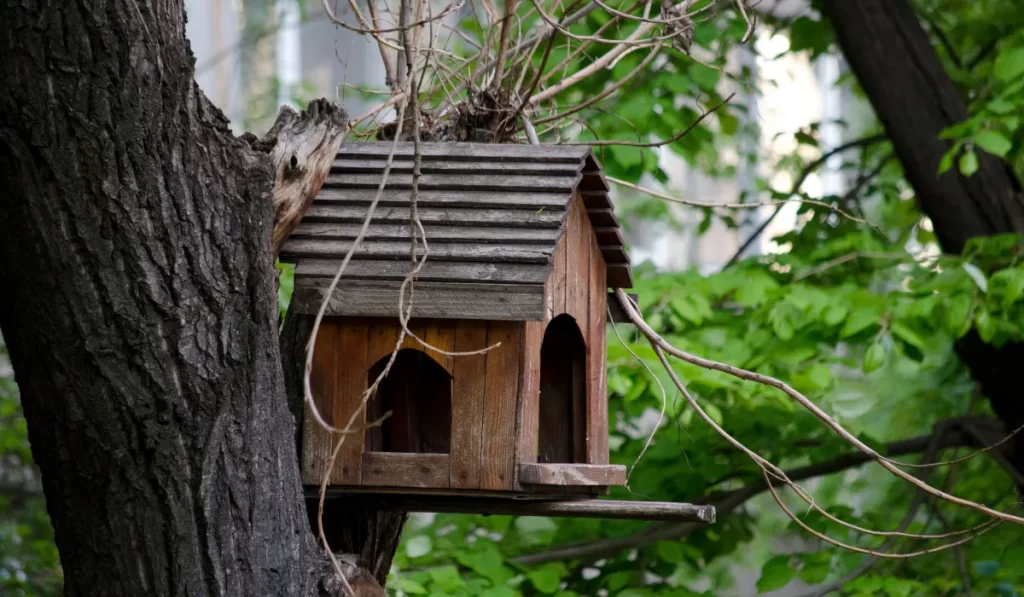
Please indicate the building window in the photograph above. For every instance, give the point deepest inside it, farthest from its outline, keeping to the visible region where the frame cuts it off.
(418, 393)
(562, 436)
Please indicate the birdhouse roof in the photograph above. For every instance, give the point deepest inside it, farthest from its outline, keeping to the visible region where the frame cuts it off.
(493, 214)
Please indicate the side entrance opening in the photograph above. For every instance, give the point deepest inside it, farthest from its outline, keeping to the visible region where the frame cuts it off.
(418, 393)
(562, 436)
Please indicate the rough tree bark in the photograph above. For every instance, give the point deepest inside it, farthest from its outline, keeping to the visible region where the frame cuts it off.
(138, 303)
(895, 63)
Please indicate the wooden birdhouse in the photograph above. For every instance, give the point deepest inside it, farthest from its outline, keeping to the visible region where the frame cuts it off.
(523, 248)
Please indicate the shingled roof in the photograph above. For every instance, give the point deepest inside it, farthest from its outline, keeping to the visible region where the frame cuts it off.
(493, 215)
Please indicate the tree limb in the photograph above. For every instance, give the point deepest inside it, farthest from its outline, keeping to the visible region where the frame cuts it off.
(302, 148)
(729, 501)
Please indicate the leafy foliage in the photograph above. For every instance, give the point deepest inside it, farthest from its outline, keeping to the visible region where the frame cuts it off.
(29, 564)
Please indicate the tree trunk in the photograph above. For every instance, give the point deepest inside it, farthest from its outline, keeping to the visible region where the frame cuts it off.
(915, 99)
(138, 303)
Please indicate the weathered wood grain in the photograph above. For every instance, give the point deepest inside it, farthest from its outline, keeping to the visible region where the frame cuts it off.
(350, 350)
(404, 165)
(572, 259)
(571, 474)
(556, 281)
(468, 405)
(440, 334)
(395, 469)
(502, 391)
(513, 302)
(382, 336)
(507, 218)
(457, 182)
(303, 147)
(597, 354)
(529, 395)
(434, 234)
(473, 152)
(581, 291)
(432, 271)
(501, 253)
(445, 199)
(316, 441)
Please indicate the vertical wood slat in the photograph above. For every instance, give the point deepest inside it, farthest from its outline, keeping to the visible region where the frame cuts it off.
(350, 384)
(597, 413)
(502, 390)
(580, 310)
(468, 397)
(585, 253)
(441, 334)
(381, 338)
(571, 242)
(316, 441)
(529, 399)
(557, 278)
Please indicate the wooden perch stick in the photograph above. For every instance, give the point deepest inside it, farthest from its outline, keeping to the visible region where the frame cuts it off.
(585, 508)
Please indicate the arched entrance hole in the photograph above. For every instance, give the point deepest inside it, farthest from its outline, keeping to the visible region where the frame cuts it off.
(562, 436)
(418, 392)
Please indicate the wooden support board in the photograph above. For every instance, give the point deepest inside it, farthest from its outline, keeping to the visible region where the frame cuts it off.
(571, 474)
(397, 469)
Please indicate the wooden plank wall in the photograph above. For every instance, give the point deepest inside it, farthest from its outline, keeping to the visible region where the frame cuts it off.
(484, 403)
(577, 286)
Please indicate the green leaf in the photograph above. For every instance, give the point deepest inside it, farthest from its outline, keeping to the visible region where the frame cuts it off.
(627, 156)
(727, 123)
(805, 139)
(905, 333)
(446, 578)
(1010, 64)
(807, 34)
(835, 314)
(407, 586)
(820, 375)
(487, 563)
(993, 142)
(947, 160)
(858, 321)
(705, 78)
(617, 580)
(986, 324)
(775, 574)
(536, 529)
(874, 357)
(670, 551)
(968, 163)
(418, 546)
(501, 591)
(547, 578)
(1001, 106)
